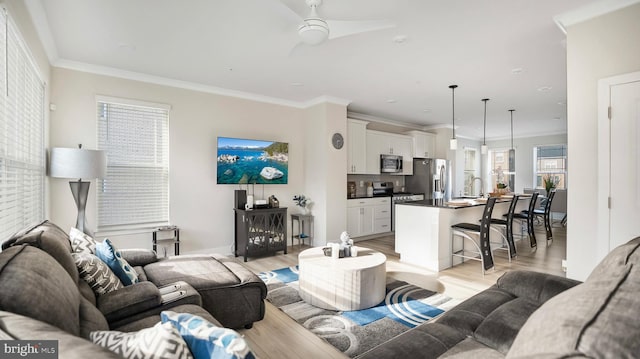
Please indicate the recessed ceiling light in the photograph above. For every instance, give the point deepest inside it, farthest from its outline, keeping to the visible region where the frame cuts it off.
(544, 89)
(427, 110)
(400, 39)
(297, 84)
(556, 118)
(561, 103)
(392, 100)
(517, 71)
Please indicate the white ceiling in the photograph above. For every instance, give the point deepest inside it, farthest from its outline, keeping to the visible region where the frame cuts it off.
(249, 47)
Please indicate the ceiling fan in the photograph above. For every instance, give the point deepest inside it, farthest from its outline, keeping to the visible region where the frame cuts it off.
(314, 30)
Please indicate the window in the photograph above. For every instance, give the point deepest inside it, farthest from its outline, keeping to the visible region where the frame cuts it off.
(550, 161)
(470, 171)
(135, 192)
(22, 154)
(499, 167)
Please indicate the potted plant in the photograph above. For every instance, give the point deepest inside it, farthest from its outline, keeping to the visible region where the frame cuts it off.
(549, 183)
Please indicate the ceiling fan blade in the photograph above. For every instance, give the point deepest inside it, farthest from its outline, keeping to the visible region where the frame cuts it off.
(340, 28)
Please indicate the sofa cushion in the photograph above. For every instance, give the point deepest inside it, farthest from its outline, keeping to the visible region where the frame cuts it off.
(35, 285)
(470, 348)
(69, 346)
(162, 341)
(206, 340)
(149, 320)
(620, 256)
(597, 318)
(81, 242)
(91, 319)
(96, 273)
(51, 239)
(109, 254)
(500, 328)
(469, 314)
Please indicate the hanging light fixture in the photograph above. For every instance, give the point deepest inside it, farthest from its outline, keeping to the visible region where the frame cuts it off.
(512, 159)
(453, 142)
(483, 148)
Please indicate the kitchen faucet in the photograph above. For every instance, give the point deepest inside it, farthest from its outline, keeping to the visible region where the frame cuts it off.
(473, 180)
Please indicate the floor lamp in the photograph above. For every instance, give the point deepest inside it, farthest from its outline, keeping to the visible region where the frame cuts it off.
(78, 163)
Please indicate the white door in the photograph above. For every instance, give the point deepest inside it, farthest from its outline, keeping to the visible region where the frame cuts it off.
(624, 157)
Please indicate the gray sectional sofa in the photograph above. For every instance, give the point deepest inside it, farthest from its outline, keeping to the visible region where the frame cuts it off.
(535, 315)
(42, 295)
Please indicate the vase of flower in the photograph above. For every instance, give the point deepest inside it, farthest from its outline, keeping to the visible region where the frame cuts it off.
(303, 202)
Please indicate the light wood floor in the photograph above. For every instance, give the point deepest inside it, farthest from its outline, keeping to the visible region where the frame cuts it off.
(278, 336)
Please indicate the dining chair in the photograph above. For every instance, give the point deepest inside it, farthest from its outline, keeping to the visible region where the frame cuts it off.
(482, 247)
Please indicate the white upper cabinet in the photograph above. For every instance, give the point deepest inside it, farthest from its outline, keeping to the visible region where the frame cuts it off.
(356, 146)
(424, 144)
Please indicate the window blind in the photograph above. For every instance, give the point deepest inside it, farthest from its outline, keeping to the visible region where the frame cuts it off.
(135, 192)
(22, 153)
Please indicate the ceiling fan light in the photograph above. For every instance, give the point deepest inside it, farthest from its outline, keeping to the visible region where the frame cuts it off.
(313, 31)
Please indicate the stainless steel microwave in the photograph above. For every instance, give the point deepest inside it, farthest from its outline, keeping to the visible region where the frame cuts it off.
(390, 164)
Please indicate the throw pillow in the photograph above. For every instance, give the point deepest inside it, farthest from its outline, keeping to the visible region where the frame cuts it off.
(108, 253)
(206, 340)
(81, 242)
(96, 273)
(158, 342)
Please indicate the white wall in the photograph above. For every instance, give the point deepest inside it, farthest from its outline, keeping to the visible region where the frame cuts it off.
(201, 208)
(602, 47)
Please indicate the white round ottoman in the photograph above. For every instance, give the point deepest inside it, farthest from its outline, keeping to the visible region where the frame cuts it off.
(350, 283)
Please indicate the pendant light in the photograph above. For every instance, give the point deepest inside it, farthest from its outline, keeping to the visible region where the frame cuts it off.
(512, 159)
(453, 143)
(483, 148)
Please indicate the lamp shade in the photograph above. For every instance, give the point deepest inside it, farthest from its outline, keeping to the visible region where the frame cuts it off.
(77, 163)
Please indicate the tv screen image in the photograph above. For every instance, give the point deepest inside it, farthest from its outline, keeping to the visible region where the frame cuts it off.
(248, 161)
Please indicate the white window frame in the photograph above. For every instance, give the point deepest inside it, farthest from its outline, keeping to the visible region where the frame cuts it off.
(140, 209)
(22, 125)
(550, 170)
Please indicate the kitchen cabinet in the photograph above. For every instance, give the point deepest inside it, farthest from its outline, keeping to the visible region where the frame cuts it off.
(367, 216)
(356, 146)
(424, 144)
(388, 143)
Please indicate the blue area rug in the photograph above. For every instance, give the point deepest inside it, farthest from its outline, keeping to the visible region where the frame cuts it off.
(354, 332)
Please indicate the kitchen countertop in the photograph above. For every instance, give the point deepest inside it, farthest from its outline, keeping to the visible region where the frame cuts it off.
(364, 197)
(455, 203)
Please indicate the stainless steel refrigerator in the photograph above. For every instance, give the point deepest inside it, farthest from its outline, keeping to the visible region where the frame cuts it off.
(432, 177)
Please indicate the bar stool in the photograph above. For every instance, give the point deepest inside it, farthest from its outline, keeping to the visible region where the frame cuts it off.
(507, 236)
(482, 246)
(546, 214)
(525, 217)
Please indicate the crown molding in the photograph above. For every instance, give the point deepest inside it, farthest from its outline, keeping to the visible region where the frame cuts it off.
(41, 24)
(326, 99)
(589, 12)
(372, 118)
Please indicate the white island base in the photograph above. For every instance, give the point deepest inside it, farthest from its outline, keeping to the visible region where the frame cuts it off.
(423, 232)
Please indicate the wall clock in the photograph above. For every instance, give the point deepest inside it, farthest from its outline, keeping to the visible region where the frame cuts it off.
(337, 141)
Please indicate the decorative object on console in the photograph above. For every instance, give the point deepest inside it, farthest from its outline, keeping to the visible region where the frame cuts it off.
(453, 142)
(78, 163)
(346, 244)
(483, 148)
(303, 202)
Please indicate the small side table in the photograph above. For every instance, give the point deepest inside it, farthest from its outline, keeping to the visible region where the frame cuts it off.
(304, 221)
(175, 238)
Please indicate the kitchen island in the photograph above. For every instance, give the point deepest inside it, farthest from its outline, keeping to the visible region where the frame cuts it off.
(423, 228)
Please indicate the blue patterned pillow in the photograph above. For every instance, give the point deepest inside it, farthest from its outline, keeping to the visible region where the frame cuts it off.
(162, 341)
(206, 340)
(108, 253)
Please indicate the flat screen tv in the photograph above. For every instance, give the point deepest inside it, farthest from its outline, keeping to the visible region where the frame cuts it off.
(244, 161)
